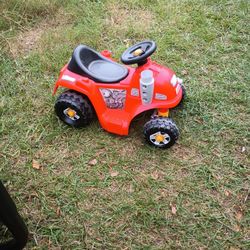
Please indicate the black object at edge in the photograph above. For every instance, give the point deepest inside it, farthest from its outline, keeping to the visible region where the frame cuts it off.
(13, 221)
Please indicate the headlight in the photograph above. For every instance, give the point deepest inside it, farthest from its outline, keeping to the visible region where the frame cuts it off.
(178, 88)
(173, 80)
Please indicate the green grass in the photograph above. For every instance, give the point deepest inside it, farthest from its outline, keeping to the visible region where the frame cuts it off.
(69, 204)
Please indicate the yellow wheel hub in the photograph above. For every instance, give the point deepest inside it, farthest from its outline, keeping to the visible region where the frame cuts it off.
(71, 113)
(138, 52)
(159, 138)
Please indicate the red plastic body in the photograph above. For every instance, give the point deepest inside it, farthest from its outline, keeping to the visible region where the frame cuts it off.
(117, 120)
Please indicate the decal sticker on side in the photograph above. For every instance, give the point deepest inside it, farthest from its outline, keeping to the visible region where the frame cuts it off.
(114, 98)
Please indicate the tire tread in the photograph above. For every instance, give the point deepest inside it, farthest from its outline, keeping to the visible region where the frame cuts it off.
(161, 123)
(80, 102)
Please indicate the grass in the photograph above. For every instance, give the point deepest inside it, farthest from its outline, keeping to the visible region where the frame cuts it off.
(125, 201)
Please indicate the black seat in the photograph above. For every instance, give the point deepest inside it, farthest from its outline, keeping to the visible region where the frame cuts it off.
(87, 62)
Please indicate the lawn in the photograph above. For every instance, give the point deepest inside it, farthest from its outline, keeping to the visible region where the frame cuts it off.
(94, 190)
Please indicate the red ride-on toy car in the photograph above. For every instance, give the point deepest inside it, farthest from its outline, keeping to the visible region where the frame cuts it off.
(118, 93)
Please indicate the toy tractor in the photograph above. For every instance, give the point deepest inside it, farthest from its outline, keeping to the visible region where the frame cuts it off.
(95, 83)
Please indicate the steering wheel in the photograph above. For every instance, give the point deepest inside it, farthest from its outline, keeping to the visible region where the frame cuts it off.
(138, 53)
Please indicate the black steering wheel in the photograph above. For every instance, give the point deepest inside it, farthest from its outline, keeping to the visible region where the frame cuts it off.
(138, 53)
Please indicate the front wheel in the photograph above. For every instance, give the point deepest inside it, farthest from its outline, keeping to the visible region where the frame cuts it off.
(161, 132)
(184, 95)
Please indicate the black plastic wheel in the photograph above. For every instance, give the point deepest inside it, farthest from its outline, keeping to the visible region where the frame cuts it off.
(74, 109)
(184, 95)
(161, 132)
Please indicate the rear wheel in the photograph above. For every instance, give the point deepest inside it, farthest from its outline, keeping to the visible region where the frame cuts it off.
(74, 109)
(161, 132)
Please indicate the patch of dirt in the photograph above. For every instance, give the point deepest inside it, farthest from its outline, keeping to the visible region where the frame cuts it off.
(122, 19)
(28, 40)
(128, 149)
(187, 154)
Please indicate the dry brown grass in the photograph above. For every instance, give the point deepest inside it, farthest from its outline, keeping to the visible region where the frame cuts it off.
(28, 39)
(121, 18)
(126, 199)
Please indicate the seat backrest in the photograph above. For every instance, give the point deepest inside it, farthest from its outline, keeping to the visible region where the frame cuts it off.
(86, 55)
(81, 58)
